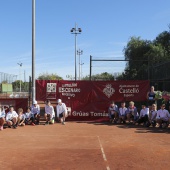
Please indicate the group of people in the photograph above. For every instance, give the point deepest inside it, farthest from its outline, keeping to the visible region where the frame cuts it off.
(146, 116)
(14, 119)
(149, 115)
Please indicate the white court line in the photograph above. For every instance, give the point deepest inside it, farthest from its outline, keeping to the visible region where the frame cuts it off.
(104, 155)
(57, 135)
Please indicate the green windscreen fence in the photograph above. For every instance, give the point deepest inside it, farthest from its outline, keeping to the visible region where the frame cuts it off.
(6, 88)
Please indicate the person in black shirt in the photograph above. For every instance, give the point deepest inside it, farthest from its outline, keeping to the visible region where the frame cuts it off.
(151, 97)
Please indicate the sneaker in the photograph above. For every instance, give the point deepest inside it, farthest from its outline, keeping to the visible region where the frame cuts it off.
(63, 123)
(46, 123)
(164, 125)
(33, 124)
(1, 128)
(14, 126)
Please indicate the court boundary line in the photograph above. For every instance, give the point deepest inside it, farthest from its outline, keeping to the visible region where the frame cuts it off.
(103, 153)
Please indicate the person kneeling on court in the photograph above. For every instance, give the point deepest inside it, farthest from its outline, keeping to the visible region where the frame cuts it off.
(12, 118)
(35, 109)
(122, 112)
(49, 112)
(163, 117)
(132, 113)
(61, 111)
(152, 116)
(113, 112)
(29, 117)
(21, 117)
(144, 113)
(2, 117)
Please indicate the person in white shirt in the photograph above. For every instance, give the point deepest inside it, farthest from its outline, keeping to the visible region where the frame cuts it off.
(12, 118)
(61, 110)
(113, 112)
(29, 117)
(122, 112)
(163, 117)
(35, 109)
(132, 113)
(49, 112)
(152, 116)
(21, 117)
(143, 116)
(2, 117)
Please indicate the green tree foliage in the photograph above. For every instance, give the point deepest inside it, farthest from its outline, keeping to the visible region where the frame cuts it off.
(47, 76)
(102, 76)
(135, 52)
(163, 39)
(142, 55)
(24, 86)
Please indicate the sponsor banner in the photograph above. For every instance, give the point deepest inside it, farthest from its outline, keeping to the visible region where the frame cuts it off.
(16, 103)
(90, 99)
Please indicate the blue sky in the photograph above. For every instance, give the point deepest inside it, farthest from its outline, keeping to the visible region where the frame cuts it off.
(106, 26)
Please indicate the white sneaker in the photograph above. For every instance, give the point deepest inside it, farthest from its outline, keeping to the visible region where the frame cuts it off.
(63, 123)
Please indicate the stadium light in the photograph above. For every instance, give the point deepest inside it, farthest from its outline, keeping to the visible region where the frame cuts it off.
(75, 31)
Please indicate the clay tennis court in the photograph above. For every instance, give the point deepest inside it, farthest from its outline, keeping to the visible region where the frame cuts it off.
(85, 146)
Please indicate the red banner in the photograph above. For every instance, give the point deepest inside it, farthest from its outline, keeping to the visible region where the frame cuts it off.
(90, 99)
(16, 103)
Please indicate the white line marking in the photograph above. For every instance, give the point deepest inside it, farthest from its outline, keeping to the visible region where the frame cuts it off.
(104, 155)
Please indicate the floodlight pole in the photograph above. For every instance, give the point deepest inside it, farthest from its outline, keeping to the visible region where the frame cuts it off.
(79, 52)
(33, 50)
(20, 65)
(76, 31)
(81, 69)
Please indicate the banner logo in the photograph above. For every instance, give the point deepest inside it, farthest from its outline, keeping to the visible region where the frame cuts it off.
(51, 87)
(51, 91)
(108, 90)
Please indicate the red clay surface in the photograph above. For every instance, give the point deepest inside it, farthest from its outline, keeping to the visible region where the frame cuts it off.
(85, 146)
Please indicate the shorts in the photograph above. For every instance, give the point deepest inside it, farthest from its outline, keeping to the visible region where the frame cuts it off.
(20, 120)
(60, 115)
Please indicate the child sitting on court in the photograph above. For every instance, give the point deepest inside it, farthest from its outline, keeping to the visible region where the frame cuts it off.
(12, 118)
(163, 117)
(143, 117)
(113, 112)
(29, 117)
(2, 117)
(21, 117)
(122, 113)
(152, 116)
(49, 112)
(131, 112)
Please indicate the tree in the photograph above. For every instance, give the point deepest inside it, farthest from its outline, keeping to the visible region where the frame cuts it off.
(102, 76)
(47, 76)
(148, 53)
(24, 86)
(163, 39)
(135, 52)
